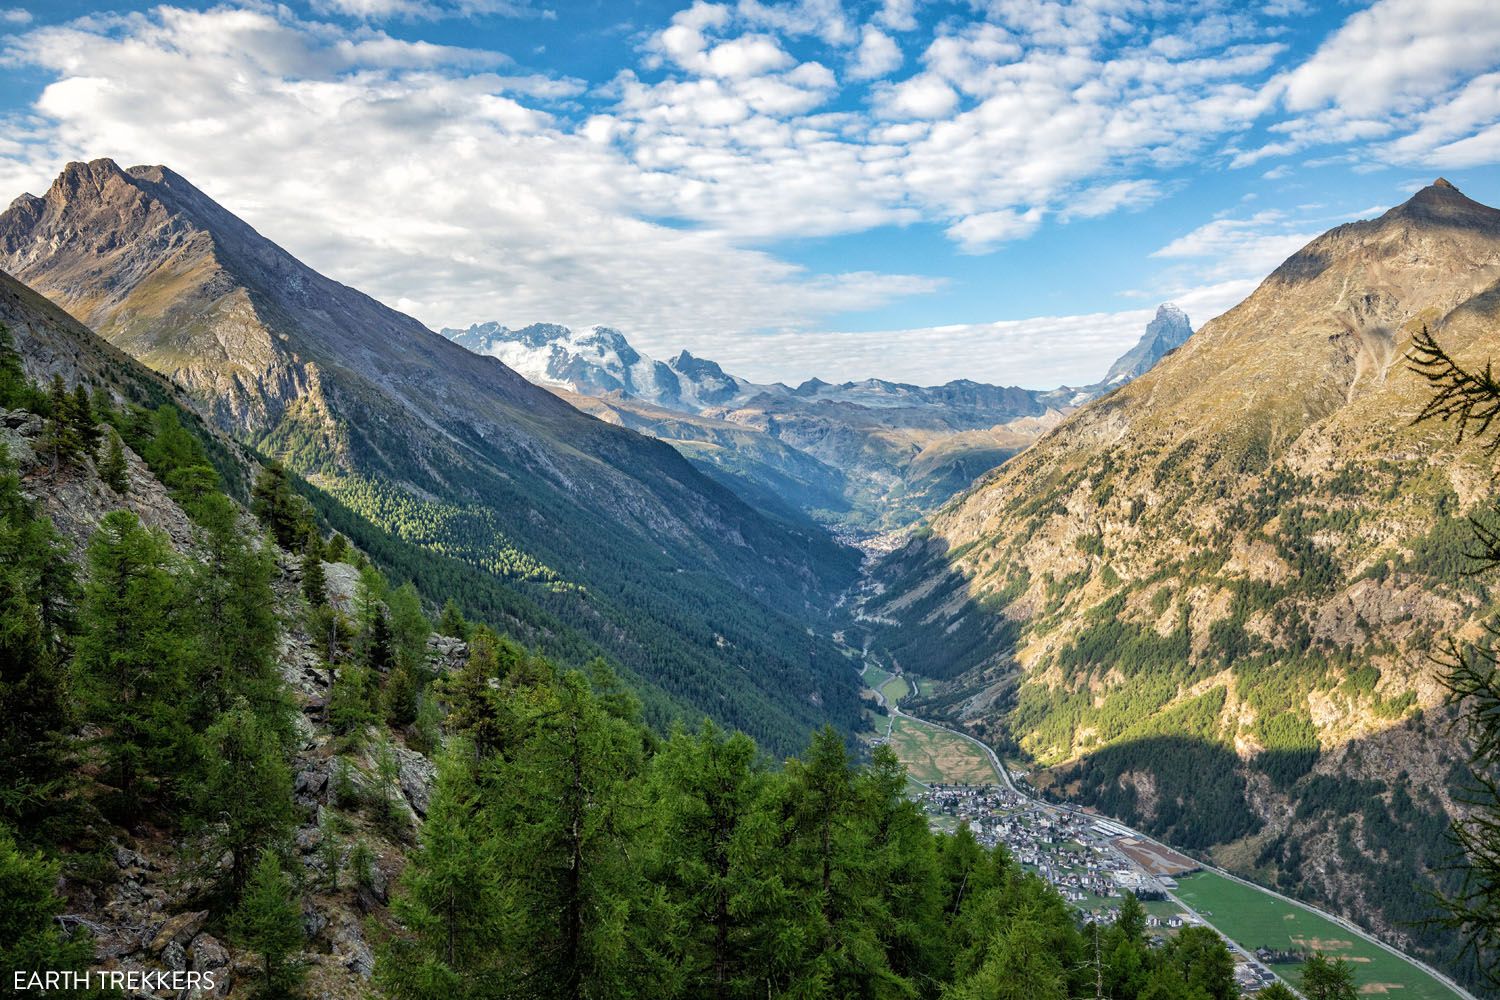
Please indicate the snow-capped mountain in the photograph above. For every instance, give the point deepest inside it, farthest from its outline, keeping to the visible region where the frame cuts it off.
(893, 451)
(599, 360)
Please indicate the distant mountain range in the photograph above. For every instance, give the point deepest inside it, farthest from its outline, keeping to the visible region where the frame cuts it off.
(584, 538)
(875, 454)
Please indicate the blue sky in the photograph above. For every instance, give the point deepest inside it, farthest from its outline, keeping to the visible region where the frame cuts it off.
(994, 189)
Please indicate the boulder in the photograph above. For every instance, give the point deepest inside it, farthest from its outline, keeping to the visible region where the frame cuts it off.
(178, 930)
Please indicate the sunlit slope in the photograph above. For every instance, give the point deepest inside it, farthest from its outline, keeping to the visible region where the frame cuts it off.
(1219, 586)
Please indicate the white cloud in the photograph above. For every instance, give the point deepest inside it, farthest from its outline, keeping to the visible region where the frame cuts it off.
(425, 179)
(925, 95)
(1257, 244)
(14, 15)
(898, 15)
(1385, 82)
(877, 55)
(382, 10)
(1395, 55)
(983, 231)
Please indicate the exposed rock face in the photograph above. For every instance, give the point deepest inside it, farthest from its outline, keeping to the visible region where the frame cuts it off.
(870, 454)
(1260, 502)
(1164, 334)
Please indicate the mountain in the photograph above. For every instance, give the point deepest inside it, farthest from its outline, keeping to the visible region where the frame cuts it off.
(886, 453)
(1207, 602)
(1165, 333)
(583, 537)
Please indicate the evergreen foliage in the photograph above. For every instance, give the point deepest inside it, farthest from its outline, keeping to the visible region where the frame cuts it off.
(131, 663)
(1471, 400)
(269, 923)
(113, 469)
(37, 592)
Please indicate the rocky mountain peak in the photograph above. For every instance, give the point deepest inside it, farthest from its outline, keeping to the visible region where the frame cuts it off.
(1166, 332)
(1440, 203)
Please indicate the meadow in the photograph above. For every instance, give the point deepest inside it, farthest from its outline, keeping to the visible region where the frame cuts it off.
(1255, 919)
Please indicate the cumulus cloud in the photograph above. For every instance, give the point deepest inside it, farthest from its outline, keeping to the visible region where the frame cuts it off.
(463, 187)
(14, 15)
(877, 55)
(1398, 81)
(411, 172)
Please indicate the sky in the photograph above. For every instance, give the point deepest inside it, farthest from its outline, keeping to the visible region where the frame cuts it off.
(1001, 190)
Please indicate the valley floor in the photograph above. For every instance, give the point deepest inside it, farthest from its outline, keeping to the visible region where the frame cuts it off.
(1093, 861)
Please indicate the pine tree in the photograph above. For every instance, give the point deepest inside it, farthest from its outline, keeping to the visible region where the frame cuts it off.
(245, 796)
(715, 859)
(269, 923)
(29, 936)
(379, 651)
(1276, 991)
(37, 590)
(337, 550)
(451, 622)
(192, 485)
(234, 621)
(314, 581)
(400, 697)
(168, 446)
(129, 661)
(450, 901)
(1325, 980)
(85, 423)
(350, 702)
(15, 387)
(567, 819)
(475, 707)
(834, 857)
(1020, 964)
(61, 441)
(113, 470)
(409, 626)
(279, 508)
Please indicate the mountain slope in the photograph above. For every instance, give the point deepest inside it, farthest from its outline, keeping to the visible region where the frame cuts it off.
(614, 535)
(889, 452)
(1207, 601)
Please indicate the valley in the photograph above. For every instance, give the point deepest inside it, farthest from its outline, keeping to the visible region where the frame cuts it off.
(1094, 859)
(1198, 598)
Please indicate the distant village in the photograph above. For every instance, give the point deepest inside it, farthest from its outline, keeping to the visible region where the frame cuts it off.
(1091, 861)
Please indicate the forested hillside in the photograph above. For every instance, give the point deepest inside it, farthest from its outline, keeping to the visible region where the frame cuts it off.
(230, 748)
(590, 537)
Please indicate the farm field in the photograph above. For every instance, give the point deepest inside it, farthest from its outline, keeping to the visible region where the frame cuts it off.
(1255, 919)
(895, 689)
(933, 756)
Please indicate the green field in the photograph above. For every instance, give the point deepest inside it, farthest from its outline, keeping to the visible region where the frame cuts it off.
(895, 689)
(874, 677)
(1254, 918)
(933, 755)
